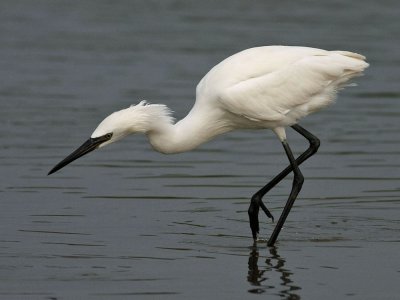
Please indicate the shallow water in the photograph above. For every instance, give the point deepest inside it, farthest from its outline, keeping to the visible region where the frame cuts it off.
(128, 223)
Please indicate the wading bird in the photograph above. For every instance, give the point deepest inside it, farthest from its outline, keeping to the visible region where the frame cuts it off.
(269, 87)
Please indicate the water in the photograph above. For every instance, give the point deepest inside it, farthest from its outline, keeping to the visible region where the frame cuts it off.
(128, 223)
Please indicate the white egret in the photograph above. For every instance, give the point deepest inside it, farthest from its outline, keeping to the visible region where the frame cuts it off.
(269, 87)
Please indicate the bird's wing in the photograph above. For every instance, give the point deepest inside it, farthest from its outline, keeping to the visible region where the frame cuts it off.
(271, 96)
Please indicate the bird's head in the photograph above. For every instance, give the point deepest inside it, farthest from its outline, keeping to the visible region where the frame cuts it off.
(136, 118)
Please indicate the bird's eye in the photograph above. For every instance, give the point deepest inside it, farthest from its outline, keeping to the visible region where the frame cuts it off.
(108, 136)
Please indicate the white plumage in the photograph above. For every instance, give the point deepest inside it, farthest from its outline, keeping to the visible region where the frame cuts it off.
(277, 85)
(265, 87)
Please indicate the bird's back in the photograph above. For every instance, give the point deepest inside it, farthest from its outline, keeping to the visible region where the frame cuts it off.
(277, 85)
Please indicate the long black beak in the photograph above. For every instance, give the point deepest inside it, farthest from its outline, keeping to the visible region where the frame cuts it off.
(88, 146)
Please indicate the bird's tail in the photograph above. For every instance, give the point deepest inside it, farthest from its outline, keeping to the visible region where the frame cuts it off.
(354, 63)
(351, 54)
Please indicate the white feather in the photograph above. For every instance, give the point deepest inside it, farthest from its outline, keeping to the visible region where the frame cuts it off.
(265, 87)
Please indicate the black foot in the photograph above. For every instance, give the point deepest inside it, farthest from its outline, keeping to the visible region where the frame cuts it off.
(253, 216)
(255, 204)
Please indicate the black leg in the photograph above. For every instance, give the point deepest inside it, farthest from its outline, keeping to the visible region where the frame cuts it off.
(298, 180)
(256, 200)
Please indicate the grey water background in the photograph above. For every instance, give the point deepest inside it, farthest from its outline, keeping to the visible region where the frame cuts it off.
(129, 223)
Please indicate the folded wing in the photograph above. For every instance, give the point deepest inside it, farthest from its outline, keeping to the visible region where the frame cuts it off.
(293, 90)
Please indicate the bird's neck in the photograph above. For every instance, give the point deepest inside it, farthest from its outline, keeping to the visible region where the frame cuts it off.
(195, 129)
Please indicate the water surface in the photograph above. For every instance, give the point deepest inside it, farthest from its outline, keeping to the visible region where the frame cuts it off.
(129, 223)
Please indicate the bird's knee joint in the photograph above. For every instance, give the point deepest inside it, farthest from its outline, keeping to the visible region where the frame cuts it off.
(315, 143)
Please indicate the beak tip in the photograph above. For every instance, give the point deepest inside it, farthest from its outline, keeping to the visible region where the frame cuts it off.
(52, 171)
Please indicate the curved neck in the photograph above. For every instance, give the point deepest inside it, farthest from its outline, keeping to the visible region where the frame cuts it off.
(195, 129)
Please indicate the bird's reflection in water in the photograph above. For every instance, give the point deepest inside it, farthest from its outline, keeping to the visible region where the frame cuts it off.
(263, 278)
